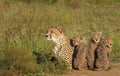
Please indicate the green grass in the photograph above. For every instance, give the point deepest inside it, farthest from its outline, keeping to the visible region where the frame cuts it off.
(23, 26)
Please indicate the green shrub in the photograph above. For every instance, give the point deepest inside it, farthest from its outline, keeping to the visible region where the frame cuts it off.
(31, 63)
(19, 59)
(50, 64)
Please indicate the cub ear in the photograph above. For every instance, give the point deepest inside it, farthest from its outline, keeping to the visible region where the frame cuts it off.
(50, 26)
(103, 38)
(92, 34)
(100, 33)
(82, 38)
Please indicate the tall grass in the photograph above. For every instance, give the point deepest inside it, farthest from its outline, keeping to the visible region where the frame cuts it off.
(23, 26)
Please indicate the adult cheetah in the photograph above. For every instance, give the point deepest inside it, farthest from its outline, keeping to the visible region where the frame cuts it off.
(63, 48)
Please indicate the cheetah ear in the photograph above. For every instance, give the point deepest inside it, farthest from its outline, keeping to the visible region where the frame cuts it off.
(82, 38)
(77, 36)
(50, 26)
(100, 33)
(59, 28)
(92, 34)
(103, 38)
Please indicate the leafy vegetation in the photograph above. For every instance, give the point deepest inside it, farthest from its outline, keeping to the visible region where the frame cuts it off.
(23, 25)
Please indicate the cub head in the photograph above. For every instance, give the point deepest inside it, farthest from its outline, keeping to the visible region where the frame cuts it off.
(96, 36)
(54, 33)
(108, 41)
(77, 40)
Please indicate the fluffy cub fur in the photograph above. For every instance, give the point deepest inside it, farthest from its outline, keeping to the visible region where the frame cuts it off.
(80, 50)
(92, 45)
(102, 53)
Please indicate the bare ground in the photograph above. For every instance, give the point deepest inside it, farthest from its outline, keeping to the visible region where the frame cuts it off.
(115, 71)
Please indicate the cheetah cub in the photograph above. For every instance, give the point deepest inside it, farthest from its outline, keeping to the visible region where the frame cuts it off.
(92, 45)
(63, 48)
(102, 54)
(80, 50)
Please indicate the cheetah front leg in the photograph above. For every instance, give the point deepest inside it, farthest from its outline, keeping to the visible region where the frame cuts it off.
(57, 50)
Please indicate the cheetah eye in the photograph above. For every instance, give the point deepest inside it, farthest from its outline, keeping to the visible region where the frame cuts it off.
(51, 31)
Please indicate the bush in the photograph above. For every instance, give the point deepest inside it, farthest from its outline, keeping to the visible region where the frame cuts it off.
(19, 59)
(50, 64)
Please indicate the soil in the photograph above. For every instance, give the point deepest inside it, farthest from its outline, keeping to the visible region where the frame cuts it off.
(115, 71)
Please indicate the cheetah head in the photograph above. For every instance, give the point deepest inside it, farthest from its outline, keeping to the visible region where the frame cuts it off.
(77, 40)
(54, 33)
(96, 36)
(108, 41)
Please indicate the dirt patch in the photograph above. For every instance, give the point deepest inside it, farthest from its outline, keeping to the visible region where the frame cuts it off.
(113, 72)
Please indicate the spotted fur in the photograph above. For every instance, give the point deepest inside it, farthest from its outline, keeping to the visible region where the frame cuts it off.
(63, 48)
